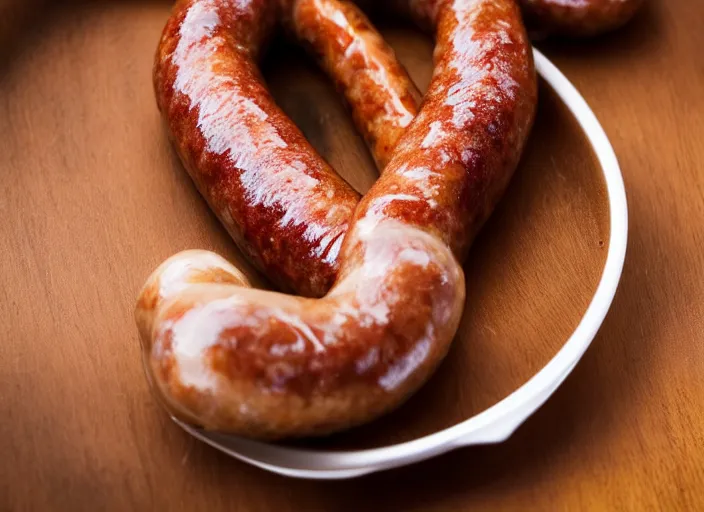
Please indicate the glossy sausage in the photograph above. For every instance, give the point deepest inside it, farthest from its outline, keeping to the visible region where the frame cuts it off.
(266, 365)
(579, 17)
(281, 202)
(382, 98)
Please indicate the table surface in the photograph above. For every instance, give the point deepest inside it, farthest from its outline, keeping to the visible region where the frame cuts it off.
(80, 429)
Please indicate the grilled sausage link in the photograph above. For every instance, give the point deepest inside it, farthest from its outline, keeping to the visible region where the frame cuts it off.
(579, 18)
(281, 202)
(266, 365)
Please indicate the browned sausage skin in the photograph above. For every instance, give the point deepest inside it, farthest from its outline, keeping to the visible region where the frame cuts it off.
(267, 365)
(255, 168)
(281, 202)
(579, 18)
(382, 98)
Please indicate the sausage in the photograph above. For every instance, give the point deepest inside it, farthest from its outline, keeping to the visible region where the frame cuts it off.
(280, 201)
(579, 18)
(266, 365)
(383, 99)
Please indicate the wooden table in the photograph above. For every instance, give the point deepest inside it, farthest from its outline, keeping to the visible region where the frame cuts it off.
(80, 165)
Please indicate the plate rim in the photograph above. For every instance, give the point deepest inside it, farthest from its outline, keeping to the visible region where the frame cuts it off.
(498, 422)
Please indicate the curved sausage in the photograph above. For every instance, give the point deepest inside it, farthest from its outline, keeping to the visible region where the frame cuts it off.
(281, 202)
(579, 17)
(265, 365)
(382, 98)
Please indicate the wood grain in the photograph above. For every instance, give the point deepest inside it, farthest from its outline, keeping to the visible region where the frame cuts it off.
(92, 198)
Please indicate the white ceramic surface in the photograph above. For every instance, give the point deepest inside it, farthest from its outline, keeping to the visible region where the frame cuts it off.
(498, 422)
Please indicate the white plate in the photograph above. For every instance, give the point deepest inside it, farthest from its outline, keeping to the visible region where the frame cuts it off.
(498, 422)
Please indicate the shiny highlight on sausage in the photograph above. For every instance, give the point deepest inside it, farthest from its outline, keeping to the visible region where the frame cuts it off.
(579, 18)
